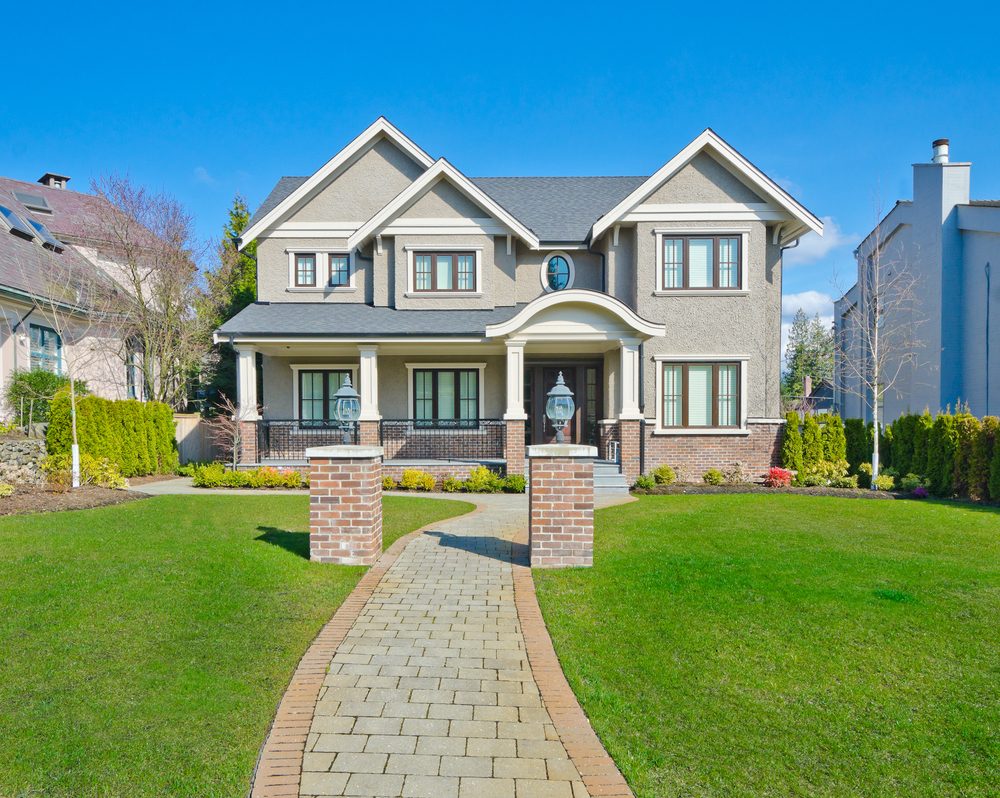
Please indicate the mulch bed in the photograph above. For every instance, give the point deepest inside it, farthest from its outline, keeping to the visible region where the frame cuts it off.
(133, 481)
(843, 493)
(34, 499)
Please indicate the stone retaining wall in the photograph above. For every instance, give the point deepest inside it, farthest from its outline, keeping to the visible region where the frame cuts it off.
(21, 460)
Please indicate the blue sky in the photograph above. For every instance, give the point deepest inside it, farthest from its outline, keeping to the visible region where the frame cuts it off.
(204, 100)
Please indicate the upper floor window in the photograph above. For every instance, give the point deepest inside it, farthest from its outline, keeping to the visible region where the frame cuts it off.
(557, 272)
(701, 395)
(701, 262)
(444, 271)
(340, 271)
(305, 270)
(46, 349)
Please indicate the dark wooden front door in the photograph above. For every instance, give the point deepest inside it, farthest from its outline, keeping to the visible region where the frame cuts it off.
(584, 380)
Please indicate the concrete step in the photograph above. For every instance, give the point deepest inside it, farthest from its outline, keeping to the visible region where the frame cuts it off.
(608, 479)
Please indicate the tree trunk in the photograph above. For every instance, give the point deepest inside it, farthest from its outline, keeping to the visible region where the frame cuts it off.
(76, 443)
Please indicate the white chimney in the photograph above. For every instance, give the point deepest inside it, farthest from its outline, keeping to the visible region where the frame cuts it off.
(940, 150)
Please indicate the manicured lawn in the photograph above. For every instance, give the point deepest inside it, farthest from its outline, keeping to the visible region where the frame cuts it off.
(788, 645)
(144, 647)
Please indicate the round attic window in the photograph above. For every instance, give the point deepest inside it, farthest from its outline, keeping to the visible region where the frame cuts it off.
(557, 272)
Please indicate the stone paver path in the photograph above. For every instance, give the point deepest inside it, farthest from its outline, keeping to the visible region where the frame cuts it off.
(430, 692)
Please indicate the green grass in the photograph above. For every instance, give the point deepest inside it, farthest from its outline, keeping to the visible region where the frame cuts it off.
(788, 645)
(144, 647)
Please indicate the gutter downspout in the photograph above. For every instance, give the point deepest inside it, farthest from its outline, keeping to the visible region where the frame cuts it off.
(987, 269)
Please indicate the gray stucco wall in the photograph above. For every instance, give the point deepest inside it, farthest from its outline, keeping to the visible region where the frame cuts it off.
(703, 180)
(273, 279)
(443, 201)
(980, 248)
(587, 267)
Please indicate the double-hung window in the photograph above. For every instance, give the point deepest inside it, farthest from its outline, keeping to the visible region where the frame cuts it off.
(305, 270)
(340, 270)
(316, 395)
(446, 397)
(444, 271)
(701, 395)
(46, 348)
(701, 262)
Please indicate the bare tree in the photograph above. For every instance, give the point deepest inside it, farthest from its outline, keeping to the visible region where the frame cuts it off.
(226, 428)
(882, 342)
(148, 245)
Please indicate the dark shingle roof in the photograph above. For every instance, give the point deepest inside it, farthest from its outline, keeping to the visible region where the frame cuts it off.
(555, 208)
(355, 320)
(985, 203)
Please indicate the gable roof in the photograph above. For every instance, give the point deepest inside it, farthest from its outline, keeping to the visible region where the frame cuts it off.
(442, 170)
(709, 140)
(380, 128)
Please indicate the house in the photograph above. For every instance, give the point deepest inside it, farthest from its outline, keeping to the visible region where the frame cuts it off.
(453, 303)
(949, 246)
(48, 261)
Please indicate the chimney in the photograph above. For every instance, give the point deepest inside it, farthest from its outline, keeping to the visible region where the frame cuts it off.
(53, 180)
(940, 151)
(807, 386)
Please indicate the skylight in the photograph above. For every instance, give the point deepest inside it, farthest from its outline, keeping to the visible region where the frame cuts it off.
(48, 240)
(16, 223)
(34, 202)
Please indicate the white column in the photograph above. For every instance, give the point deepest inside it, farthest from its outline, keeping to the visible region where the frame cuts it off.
(368, 383)
(628, 379)
(246, 382)
(515, 381)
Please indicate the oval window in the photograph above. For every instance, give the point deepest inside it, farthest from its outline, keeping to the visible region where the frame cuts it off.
(558, 273)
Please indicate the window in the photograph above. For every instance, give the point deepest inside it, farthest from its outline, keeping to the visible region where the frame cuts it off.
(444, 271)
(317, 388)
(340, 271)
(557, 272)
(305, 271)
(446, 397)
(701, 395)
(701, 262)
(46, 349)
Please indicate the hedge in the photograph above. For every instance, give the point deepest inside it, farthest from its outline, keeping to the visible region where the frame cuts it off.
(137, 436)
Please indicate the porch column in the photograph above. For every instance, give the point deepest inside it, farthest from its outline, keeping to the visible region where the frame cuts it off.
(368, 421)
(628, 379)
(246, 400)
(515, 416)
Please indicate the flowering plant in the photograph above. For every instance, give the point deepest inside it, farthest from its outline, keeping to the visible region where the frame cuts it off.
(778, 478)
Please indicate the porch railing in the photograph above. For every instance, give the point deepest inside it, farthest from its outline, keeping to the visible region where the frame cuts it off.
(288, 439)
(466, 439)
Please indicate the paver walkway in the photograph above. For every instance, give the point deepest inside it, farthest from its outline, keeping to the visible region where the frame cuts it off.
(430, 692)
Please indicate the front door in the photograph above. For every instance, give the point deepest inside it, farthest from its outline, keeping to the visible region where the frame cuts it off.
(584, 380)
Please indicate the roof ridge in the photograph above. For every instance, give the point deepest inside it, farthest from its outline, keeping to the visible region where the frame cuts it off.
(556, 177)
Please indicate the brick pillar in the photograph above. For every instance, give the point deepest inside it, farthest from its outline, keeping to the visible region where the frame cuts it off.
(345, 504)
(368, 433)
(629, 432)
(561, 505)
(248, 443)
(513, 446)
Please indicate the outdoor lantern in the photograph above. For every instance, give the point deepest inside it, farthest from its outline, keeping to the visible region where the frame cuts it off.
(346, 407)
(560, 406)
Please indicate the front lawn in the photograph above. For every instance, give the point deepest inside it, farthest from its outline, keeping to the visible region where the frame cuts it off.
(144, 647)
(788, 645)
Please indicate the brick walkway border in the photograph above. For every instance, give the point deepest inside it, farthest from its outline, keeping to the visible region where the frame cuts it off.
(279, 764)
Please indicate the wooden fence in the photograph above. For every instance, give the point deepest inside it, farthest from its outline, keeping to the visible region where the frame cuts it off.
(194, 441)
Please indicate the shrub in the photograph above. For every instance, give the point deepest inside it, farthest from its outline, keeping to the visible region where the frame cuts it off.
(813, 481)
(664, 475)
(6, 490)
(736, 474)
(713, 477)
(903, 434)
(514, 483)
(58, 470)
(994, 484)
(857, 444)
(791, 444)
(921, 438)
(845, 482)
(482, 480)
(865, 475)
(388, 483)
(415, 479)
(982, 454)
(812, 444)
(30, 394)
(920, 492)
(942, 445)
(778, 478)
(644, 482)
(834, 438)
(911, 482)
(216, 475)
(967, 428)
(884, 482)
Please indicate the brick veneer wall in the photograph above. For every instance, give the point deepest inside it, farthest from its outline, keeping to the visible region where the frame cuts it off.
(440, 471)
(630, 437)
(514, 447)
(368, 434)
(561, 500)
(692, 455)
(248, 442)
(345, 510)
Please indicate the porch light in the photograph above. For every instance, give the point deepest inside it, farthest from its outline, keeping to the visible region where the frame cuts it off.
(346, 407)
(560, 407)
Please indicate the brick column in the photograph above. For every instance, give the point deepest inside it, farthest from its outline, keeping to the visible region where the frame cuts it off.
(513, 446)
(561, 505)
(368, 434)
(345, 504)
(629, 433)
(248, 443)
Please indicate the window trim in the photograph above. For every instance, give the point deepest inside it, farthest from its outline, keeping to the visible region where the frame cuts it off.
(742, 381)
(742, 233)
(411, 271)
(58, 358)
(411, 385)
(543, 272)
(295, 270)
(322, 256)
(300, 367)
(329, 271)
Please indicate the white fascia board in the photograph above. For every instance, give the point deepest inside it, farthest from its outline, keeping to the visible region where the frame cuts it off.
(707, 140)
(441, 170)
(380, 127)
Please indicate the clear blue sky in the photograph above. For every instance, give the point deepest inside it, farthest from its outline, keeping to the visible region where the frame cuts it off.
(835, 101)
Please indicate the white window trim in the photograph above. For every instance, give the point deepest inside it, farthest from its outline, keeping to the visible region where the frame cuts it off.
(322, 256)
(545, 265)
(743, 360)
(477, 252)
(410, 367)
(742, 231)
(297, 367)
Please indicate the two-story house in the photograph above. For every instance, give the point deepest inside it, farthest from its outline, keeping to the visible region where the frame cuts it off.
(453, 303)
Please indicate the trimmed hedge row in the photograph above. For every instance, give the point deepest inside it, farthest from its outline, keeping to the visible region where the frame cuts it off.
(137, 436)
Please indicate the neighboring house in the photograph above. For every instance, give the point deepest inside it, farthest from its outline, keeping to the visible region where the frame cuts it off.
(47, 242)
(950, 244)
(453, 303)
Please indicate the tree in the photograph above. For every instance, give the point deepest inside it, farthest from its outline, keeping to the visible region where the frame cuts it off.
(226, 429)
(884, 323)
(809, 353)
(791, 444)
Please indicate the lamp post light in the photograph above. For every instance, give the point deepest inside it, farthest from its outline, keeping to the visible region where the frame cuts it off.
(560, 407)
(346, 408)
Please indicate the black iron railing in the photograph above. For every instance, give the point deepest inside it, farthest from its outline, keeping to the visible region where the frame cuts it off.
(288, 439)
(466, 439)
